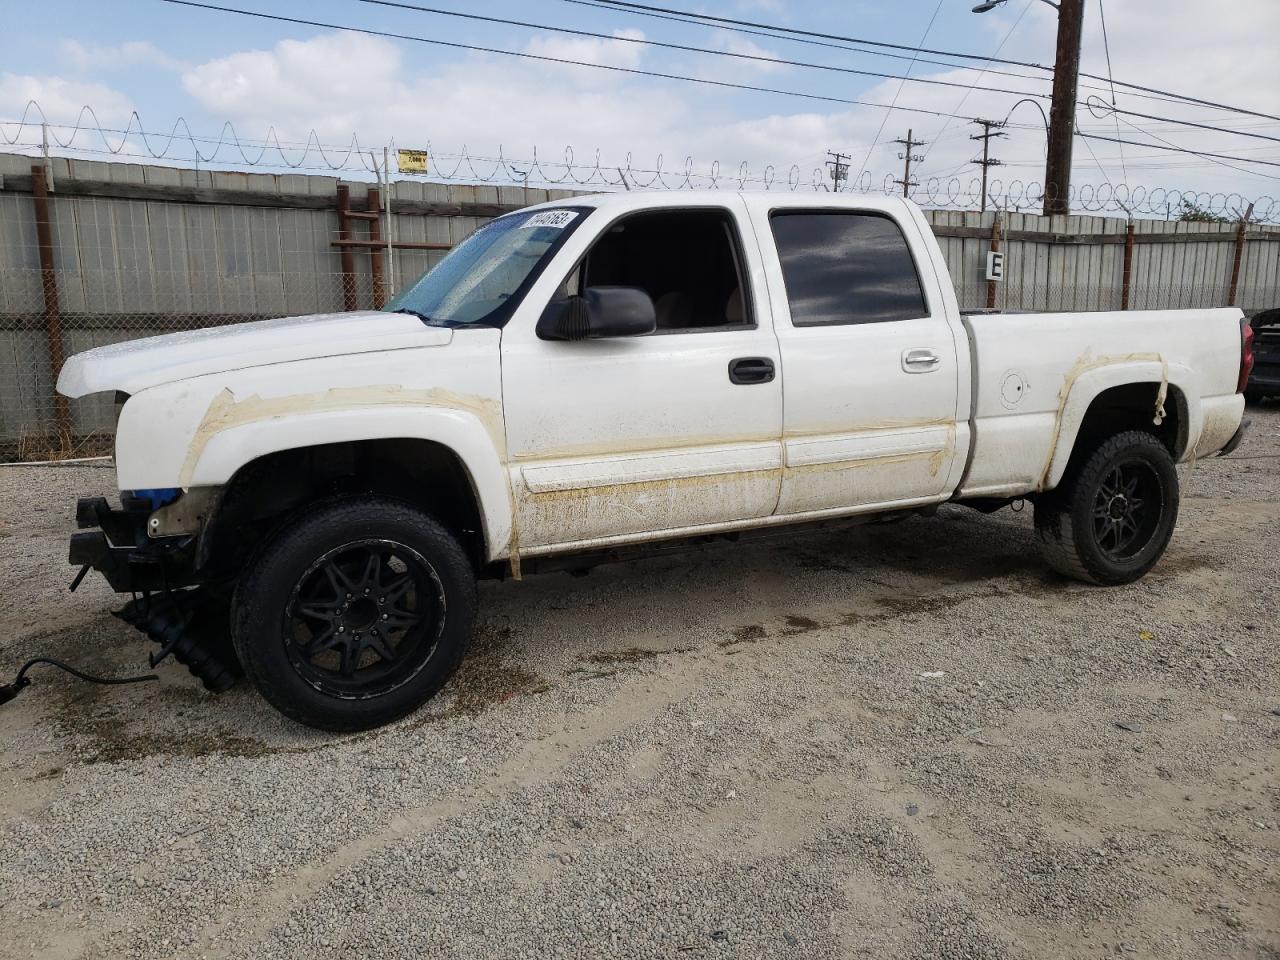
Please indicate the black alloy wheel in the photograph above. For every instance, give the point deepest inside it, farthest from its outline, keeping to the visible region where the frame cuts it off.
(1112, 516)
(1126, 509)
(364, 619)
(354, 613)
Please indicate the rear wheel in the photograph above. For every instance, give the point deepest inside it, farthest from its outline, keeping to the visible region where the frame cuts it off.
(355, 614)
(1111, 519)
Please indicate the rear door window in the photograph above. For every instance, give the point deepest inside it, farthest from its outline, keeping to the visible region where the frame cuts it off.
(846, 267)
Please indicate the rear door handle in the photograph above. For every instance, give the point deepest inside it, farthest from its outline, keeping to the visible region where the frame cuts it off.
(920, 360)
(751, 370)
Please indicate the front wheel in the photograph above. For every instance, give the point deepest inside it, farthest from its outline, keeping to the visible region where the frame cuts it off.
(1112, 518)
(355, 614)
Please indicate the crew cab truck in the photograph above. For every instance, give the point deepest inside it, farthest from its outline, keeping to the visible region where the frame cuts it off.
(612, 371)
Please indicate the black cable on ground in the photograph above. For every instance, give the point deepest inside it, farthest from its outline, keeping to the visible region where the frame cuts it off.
(10, 691)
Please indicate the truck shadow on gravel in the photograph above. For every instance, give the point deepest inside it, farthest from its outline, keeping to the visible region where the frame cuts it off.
(915, 568)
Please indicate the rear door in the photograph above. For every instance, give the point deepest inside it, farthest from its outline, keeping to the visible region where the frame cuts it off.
(646, 436)
(871, 362)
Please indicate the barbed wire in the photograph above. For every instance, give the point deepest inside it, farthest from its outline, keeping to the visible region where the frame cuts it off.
(567, 171)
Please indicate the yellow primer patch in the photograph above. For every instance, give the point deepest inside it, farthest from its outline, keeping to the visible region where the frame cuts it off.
(226, 412)
(1084, 363)
(642, 486)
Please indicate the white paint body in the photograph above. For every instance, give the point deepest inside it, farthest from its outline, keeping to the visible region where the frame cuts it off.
(571, 445)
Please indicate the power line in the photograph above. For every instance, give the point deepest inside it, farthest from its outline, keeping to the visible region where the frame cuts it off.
(845, 47)
(691, 19)
(990, 129)
(733, 24)
(613, 68)
(1169, 146)
(897, 93)
(758, 58)
(946, 123)
(1106, 46)
(688, 48)
(908, 157)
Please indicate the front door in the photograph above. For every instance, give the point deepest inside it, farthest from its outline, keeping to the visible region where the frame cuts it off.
(872, 367)
(653, 435)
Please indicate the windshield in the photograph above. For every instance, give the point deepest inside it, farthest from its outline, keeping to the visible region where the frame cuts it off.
(481, 275)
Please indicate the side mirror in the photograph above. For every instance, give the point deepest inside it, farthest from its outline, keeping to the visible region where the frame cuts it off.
(598, 313)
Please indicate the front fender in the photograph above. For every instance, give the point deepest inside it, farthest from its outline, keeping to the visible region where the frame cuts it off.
(232, 433)
(459, 431)
(1084, 384)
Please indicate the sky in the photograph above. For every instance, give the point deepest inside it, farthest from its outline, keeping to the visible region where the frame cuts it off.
(212, 68)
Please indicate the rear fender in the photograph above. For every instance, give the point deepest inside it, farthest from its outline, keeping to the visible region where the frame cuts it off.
(1091, 376)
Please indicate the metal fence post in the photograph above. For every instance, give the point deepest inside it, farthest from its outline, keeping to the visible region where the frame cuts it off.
(1239, 257)
(52, 313)
(348, 255)
(374, 208)
(1126, 275)
(995, 248)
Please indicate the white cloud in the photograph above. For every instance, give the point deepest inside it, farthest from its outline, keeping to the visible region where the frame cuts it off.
(93, 56)
(338, 83)
(740, 45)
(623, 52)
(60, 98)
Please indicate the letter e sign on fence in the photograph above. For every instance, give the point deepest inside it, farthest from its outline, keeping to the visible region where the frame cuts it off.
(995, 265)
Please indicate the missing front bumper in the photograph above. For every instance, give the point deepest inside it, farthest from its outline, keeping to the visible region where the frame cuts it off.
(121, 551)
(189, 621)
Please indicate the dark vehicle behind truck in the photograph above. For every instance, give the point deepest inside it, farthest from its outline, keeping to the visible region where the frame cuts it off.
(1264, 381)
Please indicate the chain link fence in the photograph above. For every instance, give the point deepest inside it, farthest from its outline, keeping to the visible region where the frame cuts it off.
(79, 270)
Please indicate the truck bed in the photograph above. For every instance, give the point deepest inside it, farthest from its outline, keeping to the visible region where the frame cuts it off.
(1025, 366)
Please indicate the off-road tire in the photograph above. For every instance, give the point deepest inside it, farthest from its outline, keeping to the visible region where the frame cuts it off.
(1065, 517)
(264, 609)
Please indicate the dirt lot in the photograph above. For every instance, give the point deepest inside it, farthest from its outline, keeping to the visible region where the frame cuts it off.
(744, 751)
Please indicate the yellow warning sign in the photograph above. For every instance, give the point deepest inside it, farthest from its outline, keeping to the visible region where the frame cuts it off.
(412, 161)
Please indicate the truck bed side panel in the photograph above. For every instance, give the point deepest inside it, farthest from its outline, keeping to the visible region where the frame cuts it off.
(1037, 373)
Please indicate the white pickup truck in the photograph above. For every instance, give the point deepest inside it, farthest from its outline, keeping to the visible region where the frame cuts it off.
(606, 372)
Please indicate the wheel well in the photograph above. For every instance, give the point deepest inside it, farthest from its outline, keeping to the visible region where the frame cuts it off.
(265, 493)
(1132, 406)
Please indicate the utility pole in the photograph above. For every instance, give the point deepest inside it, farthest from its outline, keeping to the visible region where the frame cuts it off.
(989, 128)
(839, 168)
(1062, 114)
(907, 156)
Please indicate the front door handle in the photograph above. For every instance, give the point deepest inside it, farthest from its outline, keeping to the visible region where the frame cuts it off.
(751, 370)
(922, 360)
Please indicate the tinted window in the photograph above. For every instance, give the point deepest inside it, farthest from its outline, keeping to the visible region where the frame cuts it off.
(842, 268)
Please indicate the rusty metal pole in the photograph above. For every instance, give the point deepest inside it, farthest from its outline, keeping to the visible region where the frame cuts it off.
(995, 248)
(348, 257)
(1126, 275)
(52, 313)
(1239, 257)
(374, 206)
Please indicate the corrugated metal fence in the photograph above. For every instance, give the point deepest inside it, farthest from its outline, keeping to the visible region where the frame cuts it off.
(120, 251)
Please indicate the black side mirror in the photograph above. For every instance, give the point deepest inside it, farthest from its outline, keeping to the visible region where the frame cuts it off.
(599, 312)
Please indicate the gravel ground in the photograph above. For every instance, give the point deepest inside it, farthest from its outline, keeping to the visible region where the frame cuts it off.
(743, 751)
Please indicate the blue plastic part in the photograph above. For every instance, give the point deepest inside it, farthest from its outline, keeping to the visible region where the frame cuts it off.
(159, 496)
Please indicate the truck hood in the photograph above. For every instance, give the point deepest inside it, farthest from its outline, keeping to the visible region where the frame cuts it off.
(138, 364)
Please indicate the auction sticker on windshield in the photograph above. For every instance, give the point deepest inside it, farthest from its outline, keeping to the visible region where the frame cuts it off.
(551, 218)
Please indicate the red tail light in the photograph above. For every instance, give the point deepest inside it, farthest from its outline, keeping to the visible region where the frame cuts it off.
(1246, 355)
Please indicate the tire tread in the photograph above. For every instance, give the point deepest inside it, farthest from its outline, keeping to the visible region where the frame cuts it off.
(338, 515)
